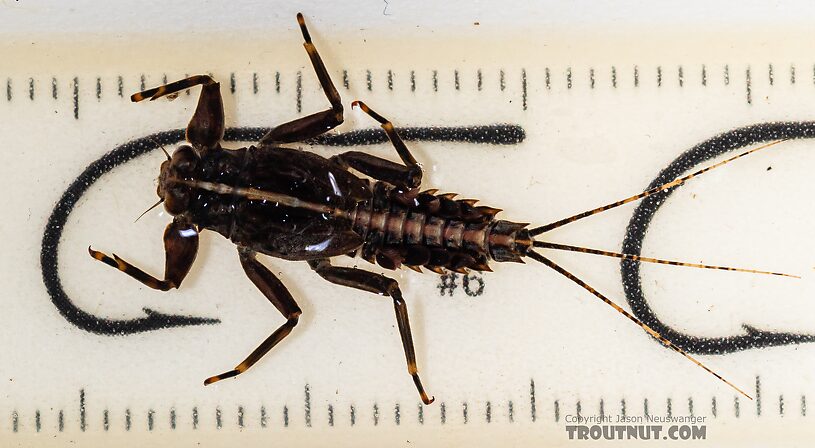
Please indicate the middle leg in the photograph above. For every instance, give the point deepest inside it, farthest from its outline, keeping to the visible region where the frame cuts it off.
(276, 292)
(315, 124)
(379, 284)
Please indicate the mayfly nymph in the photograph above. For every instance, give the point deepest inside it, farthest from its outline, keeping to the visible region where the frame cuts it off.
(299, 206)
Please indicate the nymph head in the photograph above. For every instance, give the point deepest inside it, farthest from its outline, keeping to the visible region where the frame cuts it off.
(181, 166)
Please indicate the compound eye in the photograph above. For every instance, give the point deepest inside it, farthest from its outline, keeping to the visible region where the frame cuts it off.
(184, 159)
(176, 200)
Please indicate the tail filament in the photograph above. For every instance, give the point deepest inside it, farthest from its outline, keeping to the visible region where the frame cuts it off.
(674, 183)
(645, 194)
(538, 257)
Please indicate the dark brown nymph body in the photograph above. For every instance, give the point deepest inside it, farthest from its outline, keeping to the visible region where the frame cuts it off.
(296, 205)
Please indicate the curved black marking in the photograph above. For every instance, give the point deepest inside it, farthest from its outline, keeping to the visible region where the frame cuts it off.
(154, 320)
(638, 225)
(497, 134)
(49, 255)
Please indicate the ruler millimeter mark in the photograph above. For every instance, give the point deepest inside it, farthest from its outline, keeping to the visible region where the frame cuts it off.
(241, 417)
(254, 83)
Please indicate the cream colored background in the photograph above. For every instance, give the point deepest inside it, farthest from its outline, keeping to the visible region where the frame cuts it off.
(584, 147)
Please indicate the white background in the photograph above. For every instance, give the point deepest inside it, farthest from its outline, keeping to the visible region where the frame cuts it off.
(585, 147)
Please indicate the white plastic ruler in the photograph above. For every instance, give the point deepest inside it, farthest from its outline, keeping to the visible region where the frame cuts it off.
(512, 356)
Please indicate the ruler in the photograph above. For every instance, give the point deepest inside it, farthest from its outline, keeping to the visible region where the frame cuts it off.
(572, 120)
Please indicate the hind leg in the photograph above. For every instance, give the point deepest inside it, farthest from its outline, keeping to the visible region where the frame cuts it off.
(379, 284)
(315, 124)
(407, 176)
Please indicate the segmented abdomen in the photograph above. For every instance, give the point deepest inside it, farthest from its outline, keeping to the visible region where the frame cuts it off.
(434, 231)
